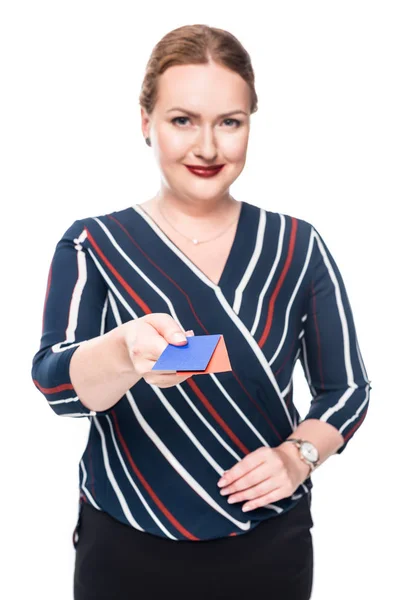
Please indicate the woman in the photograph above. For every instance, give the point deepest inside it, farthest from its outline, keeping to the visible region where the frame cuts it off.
(198, 485)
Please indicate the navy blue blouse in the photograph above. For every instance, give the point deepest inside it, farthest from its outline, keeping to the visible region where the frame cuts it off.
(152, 461)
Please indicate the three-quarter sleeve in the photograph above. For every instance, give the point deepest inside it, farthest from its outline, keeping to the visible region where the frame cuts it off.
(330, 354)
(73, 312)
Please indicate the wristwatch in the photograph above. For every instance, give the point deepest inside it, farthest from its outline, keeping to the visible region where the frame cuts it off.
(308, 452)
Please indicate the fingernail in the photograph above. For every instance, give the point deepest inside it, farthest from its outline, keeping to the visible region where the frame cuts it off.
(221, 482)
(178, 337)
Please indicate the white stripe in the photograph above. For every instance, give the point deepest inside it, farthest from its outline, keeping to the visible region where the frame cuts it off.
(301, 334)
(296, 357)
(57, 347)
(289, 306)
(354, 417)
(65, 401)
(88, 414)
(112, 286)
(174, 248)
(78, 290)
(342, 314)
(339, 404)
(287, 388)
(237, 409)
(139, 271)
(252, 263)
(304, 317)
(271, 274)
(135, 487)
(220, 470)
(113, 481)
(207, 424)
(306, 367)
(75, 298)
(103, 316)
(85, 489)
(173, 461)
(256, 349)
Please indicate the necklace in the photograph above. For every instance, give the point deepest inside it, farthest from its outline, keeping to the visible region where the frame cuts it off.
(195, 240)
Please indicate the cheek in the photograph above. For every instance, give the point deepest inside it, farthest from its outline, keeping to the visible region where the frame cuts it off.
(171, 144)
(234, 150)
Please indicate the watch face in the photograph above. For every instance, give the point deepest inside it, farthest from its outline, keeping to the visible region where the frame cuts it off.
(309, 452)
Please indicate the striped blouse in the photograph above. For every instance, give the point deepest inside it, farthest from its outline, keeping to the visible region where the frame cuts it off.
(152, 461)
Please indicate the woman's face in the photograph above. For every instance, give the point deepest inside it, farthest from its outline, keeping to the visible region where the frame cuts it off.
(179, 138)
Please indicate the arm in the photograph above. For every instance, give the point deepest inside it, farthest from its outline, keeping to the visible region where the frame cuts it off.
(339, 385)
(79, 369)
(331, 361)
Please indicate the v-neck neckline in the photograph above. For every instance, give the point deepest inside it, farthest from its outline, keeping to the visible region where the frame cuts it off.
(233, 252)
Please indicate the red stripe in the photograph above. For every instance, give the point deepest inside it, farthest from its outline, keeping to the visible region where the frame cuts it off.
(288, 397)
(162, 272)
(122, 281)
(260, 410)
(356, 426)
(318, 337)
(49, 277)
(54, 390)
(149, 489)
(287, 357)
(271, 305)
(216, 416)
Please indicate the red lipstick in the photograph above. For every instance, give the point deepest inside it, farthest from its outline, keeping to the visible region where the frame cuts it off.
(204, 171)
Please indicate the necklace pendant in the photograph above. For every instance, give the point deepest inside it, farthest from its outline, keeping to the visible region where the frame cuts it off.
(195, 241)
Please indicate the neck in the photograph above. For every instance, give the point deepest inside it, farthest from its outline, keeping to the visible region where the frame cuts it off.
(200, 210)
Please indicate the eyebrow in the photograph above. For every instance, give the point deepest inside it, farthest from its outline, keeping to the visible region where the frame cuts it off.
(192, 114)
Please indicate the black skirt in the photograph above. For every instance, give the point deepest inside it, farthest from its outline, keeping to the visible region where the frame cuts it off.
(115, 561)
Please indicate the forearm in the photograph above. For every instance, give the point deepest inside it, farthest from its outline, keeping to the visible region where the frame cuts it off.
(101, 371)
(325, 437)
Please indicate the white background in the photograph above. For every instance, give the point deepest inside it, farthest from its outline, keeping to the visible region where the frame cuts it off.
(324, 146)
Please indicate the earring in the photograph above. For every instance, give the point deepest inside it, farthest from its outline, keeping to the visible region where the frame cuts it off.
(148, 141)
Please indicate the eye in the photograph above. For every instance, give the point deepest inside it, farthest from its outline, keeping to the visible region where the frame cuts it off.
(176, 119)
(234, 121)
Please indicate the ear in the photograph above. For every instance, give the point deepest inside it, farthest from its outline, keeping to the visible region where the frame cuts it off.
(145, 122)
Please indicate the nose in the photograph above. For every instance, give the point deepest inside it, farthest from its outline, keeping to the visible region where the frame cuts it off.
(205, 146)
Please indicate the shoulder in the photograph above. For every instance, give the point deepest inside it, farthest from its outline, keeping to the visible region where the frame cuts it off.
(287, 222)
(80, 228)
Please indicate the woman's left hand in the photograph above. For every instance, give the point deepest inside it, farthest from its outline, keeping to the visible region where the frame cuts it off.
(264, 476)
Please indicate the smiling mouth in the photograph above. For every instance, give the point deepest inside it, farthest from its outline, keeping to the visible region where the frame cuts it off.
(198, 168)
(204, 171)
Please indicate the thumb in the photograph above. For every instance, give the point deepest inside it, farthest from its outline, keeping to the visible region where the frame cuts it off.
(167, 327)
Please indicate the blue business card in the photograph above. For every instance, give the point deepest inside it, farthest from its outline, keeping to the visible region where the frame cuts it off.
(194, 356)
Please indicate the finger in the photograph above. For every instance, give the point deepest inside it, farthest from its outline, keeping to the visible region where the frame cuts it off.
(158, 346)
(270, 498)
(261, 489)
(248, 480)
(249, 462)
(167, 327)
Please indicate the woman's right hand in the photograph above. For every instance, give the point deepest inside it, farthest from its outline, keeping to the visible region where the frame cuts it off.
(146, 339)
